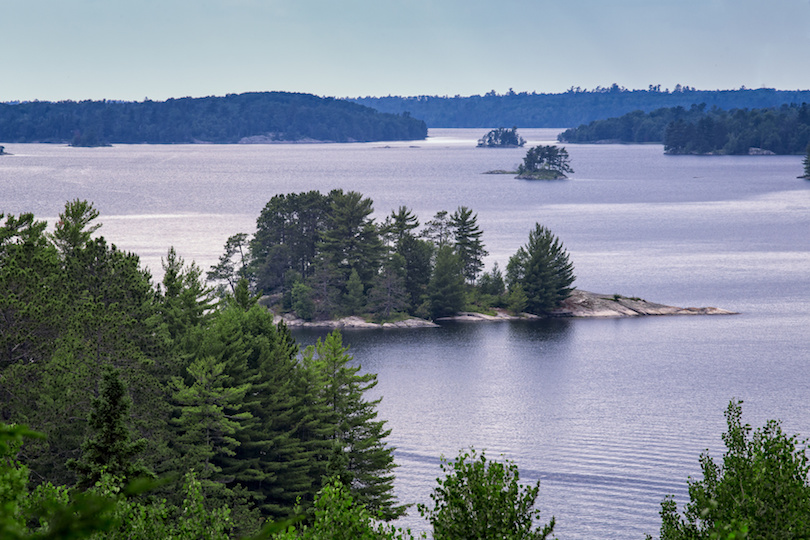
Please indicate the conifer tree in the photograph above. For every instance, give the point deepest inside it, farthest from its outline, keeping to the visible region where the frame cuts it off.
(361, 459)
(209, 418)
(108, 449)
(446, 288)
(354, 300)
(468, 244)
(543, 270)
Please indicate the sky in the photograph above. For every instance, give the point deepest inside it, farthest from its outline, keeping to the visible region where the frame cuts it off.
(158, 49)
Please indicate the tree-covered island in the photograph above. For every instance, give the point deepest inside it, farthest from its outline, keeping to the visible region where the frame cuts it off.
(323, 256)
(501, 138)
(258, 117)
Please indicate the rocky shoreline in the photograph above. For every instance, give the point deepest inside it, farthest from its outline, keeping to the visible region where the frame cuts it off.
(581, 304)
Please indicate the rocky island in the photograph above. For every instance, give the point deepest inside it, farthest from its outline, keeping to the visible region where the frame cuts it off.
(580, 304)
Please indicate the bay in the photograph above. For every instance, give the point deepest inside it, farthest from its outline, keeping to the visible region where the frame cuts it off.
(610, 415)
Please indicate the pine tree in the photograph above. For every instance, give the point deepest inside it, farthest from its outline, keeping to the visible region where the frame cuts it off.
(468, 244)
(360, 458)
(209, 418)
(354, 300)
(543, 270)
(109, 450)
(446, 288)
(388, 294)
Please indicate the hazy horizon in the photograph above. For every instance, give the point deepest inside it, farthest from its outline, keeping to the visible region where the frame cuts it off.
(91, 49)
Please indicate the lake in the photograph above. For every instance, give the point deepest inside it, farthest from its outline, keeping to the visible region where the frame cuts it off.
(610, 415)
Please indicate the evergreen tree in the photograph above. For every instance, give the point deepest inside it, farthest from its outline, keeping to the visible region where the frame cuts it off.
(468, 244)
(418, 256)
(360, 458)
(446, 288)
(439, 230)
(109, 450)
(402, 223)
(543, 270)
(351, 240)
(388, 294)
(73, 230)
(209, 418)
(354, 300)
(233, 265)
(492, 283)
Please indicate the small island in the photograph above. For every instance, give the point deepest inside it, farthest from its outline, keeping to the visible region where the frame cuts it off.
(2, 150)
(542, 163)
(501, 138)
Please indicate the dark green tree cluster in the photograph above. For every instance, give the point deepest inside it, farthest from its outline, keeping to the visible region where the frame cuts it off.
(279, 116)
(574, 107)
(323, 256)
(761, 490)
(548, 159)
(698, 130)
(501, 138)
(128, 380)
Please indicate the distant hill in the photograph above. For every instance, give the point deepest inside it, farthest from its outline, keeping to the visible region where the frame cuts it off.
(250, 117)
(571, 108)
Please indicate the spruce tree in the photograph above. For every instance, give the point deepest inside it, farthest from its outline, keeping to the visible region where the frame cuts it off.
(108, 448)
(360, 459)
(354, 300)
(446, 287)
(543, 270)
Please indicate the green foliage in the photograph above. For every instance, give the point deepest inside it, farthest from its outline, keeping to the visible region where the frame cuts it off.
(517, 301)
(543, 270)
(233, 265)
(108, 449)
(468, 244)
(446, 288)
(760, 491)
(73, 229)
(360, 457)
(501, 138)
(546, 158)
(492, 282)
(483, 499)
(302, 303)
(354, 300)
(388, 294)
(338, 517)
(278, 116)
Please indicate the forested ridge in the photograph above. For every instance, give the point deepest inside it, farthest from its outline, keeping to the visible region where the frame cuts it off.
(279, 116)
(702, 130)
(571, 108)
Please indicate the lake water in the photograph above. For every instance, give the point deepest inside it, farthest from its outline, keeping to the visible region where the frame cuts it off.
(610, 415)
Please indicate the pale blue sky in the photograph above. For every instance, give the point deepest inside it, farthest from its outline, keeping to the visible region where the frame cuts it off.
(94, 49)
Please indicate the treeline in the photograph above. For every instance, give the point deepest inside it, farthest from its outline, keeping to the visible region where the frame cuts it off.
(571, 108)
(269, 115)
(698, 130)
(324, 256)
(125, 379)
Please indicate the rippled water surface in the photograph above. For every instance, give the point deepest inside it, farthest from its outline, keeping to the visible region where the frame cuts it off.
(610, 415)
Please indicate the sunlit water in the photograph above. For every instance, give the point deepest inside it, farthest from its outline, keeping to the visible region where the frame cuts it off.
(610, 415)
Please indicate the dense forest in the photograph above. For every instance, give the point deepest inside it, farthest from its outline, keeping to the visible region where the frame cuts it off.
(571, 108)
(698, 130)
(324, 256)
(245, 117)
